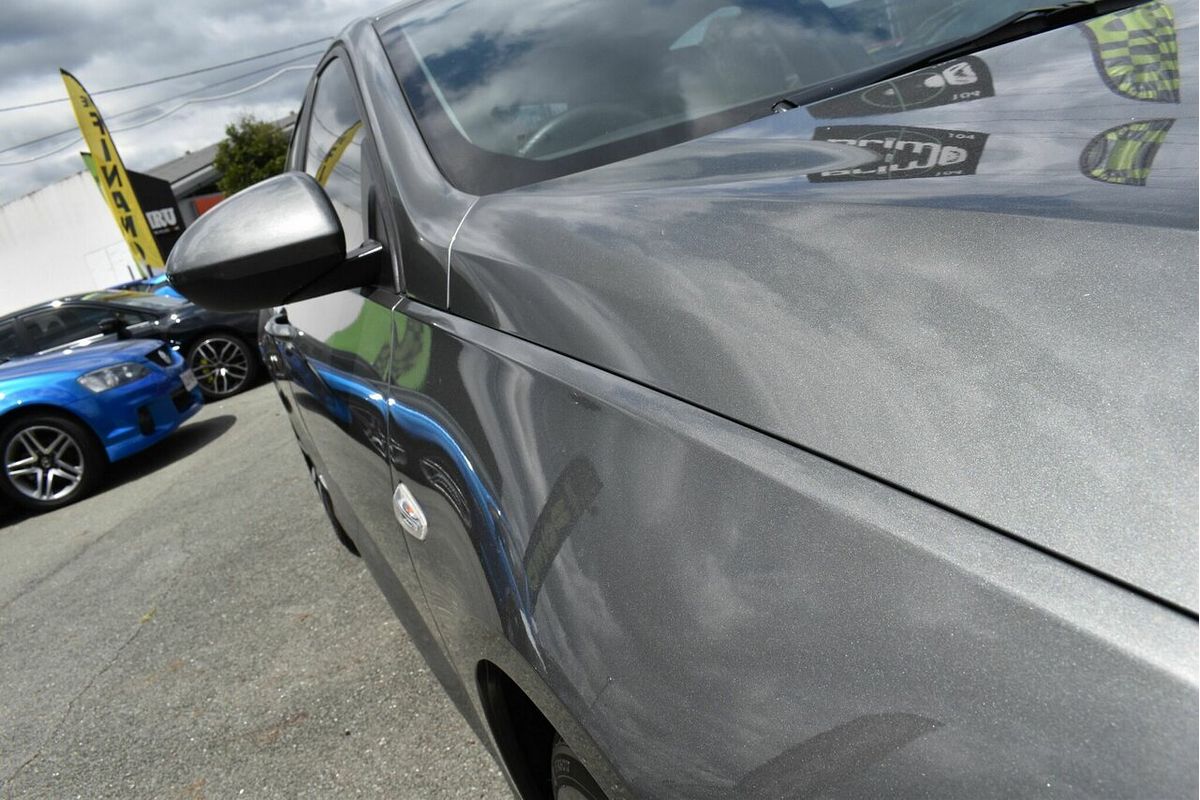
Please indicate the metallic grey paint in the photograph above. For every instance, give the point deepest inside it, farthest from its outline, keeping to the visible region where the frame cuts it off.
(1018, 344)
(601, 430)
(263, 244)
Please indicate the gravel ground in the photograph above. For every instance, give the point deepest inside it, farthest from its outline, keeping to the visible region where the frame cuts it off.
(194, 630)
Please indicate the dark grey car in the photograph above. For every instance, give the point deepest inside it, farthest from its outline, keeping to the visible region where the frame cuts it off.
(782, 399)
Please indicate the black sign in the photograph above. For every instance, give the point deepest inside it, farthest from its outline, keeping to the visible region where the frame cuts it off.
(162, 212)
(903, 152)
(955, 81)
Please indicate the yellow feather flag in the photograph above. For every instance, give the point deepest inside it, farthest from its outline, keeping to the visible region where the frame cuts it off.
(331, 159)
(114, 181)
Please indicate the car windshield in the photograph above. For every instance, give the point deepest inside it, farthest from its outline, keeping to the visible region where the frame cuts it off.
(508, 92)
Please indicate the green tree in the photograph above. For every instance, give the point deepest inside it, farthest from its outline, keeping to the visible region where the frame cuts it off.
(251, 151)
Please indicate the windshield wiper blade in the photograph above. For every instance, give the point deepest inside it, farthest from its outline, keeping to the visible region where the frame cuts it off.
(1018, 26)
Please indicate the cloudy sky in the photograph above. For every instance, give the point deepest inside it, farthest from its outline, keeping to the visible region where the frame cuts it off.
(110, 43)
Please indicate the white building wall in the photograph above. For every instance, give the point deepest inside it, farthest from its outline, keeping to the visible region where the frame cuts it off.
(59, 240)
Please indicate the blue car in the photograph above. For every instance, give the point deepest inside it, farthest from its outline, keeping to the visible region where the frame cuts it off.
(66, 415)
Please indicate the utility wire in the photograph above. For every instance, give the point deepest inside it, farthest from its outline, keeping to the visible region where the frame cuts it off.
(171, 77)
(127, 112)
(167, 113)
(225, 96)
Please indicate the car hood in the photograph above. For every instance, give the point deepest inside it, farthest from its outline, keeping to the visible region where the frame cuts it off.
(76, 359)
(977, 283)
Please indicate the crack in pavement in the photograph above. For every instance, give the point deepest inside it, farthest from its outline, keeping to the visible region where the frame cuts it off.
(35, 584)
(171, 582)
(169, 489)
(120, 523)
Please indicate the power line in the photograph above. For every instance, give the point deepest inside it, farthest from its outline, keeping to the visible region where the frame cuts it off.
(225, 96)
(167, 113)
(171, 77)
(127, 112)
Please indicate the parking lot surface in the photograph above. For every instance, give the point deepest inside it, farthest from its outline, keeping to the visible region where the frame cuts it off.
(195, 631)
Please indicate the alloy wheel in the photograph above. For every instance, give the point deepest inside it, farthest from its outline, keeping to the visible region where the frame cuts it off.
(221, 365)
(44, 463)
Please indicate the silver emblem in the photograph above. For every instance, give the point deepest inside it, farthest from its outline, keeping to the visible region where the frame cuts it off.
(409, 513)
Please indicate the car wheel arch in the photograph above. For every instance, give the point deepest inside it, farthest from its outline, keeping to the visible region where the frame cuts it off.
(188, 342)
(42, 409)
(81, 460)
(524, 718)
(223, 330)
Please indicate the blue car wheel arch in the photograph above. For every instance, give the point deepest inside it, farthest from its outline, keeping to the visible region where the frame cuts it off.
(71, 412)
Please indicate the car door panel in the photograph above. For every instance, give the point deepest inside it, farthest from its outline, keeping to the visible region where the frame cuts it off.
(342, 343)
(652, 565)
(702, 607)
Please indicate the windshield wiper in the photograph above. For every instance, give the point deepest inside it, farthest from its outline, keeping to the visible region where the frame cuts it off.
(1024, 23)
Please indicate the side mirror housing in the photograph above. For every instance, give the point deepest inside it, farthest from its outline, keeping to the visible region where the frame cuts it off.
(274, 243)
(114, 325)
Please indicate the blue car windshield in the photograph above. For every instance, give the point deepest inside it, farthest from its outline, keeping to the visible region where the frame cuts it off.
(508, 92)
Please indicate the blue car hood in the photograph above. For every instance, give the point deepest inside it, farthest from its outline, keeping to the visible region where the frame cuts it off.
(76, 359)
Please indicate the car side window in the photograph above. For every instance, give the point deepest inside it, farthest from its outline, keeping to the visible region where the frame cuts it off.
(10, 345)
(132, 317)
(334, 154)
(56, 326)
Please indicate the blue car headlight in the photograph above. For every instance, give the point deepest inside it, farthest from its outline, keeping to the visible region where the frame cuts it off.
(101, 380)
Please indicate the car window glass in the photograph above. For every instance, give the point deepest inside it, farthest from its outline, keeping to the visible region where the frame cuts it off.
(56, 326)
(508, 92)
(9, 346)
(157, 304)
(132, 317)
(334, 156)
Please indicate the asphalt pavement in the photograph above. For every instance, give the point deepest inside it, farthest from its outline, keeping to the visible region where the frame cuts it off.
(194, 630)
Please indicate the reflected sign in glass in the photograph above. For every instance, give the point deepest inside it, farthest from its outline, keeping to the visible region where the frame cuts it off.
(966, 78)
(903, 152)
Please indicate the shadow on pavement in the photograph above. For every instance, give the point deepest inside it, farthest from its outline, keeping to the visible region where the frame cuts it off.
(179, 445)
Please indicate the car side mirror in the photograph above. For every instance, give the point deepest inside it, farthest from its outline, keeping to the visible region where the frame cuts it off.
(114, 325)
(274, 243)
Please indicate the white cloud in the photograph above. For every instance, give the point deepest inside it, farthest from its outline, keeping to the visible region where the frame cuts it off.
(109, 43)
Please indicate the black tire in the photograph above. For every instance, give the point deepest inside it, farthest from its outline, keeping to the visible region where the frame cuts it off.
(569, 779)
(48, 460)
(223, 364)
